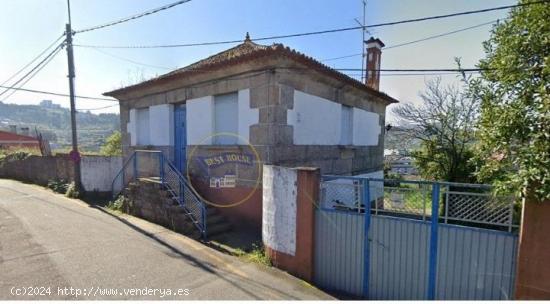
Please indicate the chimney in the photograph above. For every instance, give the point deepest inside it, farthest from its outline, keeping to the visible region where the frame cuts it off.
(13, 129)
(374, 56)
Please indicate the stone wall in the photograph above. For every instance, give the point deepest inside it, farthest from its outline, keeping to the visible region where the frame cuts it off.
(97, 172)
(272, 93)
(148, 201)
(38, 169)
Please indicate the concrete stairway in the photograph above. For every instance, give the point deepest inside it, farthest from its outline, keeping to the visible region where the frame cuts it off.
(148, 199)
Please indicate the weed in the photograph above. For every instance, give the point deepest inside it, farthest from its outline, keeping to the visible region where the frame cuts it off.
(257, 255)
(58, 185)
(117, 204)
(72, 192)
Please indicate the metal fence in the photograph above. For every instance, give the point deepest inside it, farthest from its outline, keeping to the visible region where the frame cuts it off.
(154, 166)
(426, 240)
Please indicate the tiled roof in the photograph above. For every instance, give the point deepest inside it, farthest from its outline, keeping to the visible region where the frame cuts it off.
(245, 48)
(15, 137)
(247, 51)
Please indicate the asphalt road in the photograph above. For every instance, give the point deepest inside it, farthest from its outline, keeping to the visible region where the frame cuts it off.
(52, 247)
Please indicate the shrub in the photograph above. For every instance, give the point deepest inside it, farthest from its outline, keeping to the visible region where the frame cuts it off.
(257, 255)
(117, 204)
(58, 185)
(72, 191)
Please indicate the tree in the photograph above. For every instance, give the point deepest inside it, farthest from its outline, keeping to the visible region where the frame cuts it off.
(113, 145)
(444, 126)
(513, 93)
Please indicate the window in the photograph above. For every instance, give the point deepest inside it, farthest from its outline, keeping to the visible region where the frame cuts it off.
(142, 127)
(226, 109)
(346, 135)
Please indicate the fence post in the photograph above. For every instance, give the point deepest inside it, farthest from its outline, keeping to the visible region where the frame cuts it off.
(135, 165)
(161, 167)
(366, 253)
(447, 189)
(433, 242)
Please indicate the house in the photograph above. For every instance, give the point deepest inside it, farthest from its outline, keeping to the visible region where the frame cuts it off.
(402, 165)
(11, 140)
(222, 117)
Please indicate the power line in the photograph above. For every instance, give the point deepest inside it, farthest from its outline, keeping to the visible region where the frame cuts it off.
(417, 41)
(33, 74)
(421, 74)
(34, 68)
(133, 17)
(440, 35)
(100, 108)
(129, 60)
(416, 70)
(32, 61)
(56, 94)
(321, 32)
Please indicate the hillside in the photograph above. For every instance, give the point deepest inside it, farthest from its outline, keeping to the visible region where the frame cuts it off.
(54, 122)
(397, 138)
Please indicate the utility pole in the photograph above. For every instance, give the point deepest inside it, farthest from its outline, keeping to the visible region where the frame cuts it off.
(75, 155)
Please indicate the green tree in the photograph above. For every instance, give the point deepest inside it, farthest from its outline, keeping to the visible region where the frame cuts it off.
(444, 125)
(113, 145)
(513, 93)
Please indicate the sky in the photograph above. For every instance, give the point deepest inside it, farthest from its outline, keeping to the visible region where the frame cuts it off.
(28, 26)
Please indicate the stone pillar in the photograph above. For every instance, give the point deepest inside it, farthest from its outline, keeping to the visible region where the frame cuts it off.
(290, 197)
(533, 269)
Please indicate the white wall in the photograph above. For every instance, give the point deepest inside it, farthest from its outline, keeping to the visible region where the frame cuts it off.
(98, 172)
(315, 120)
(279, 208)
(161, 125)
(376, 188)
(199, 118)
(366, 128)
(142, 127)
(348, 192)
(318, 121)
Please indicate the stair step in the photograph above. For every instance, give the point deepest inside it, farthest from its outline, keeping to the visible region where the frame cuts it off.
(215, 219)
(218, 228)
(211, 211)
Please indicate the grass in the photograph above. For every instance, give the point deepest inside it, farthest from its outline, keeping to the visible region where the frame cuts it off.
(256, 255)
(117, 204)
(413, 198)
(18, 153)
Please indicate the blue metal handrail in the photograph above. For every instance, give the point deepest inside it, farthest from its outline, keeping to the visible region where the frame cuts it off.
(114, 195)
(184, 187)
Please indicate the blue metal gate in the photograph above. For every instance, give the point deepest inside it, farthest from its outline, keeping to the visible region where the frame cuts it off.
(180, 138)
(425, 240)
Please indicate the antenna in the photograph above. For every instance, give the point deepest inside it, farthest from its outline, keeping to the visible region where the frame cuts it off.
(364, 31)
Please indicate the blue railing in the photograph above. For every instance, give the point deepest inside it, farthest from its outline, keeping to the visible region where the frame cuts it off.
(124, 176)
(457, 202)
(153, 165)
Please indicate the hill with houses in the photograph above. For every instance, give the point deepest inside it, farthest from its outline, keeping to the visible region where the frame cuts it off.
(54, 123)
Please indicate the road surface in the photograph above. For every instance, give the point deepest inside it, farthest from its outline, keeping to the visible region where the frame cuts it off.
(52, 247)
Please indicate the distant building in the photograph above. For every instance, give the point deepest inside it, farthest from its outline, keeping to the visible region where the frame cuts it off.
(9, 140)
(49, 104)
(402, 165)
